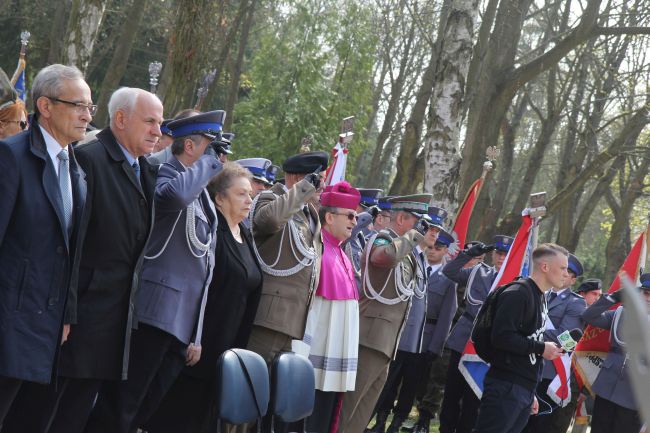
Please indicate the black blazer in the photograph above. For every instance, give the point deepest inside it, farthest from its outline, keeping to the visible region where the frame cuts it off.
(230, 311)
(116, 224)
(36, 255)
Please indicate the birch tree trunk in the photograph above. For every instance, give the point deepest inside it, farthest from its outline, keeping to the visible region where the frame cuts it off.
(85, 20)
(446, 109)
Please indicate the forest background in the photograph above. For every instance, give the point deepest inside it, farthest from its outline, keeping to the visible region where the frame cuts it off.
(560, 87)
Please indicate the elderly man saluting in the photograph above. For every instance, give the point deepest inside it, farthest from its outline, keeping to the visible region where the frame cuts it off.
(42, 192)
(177, 270)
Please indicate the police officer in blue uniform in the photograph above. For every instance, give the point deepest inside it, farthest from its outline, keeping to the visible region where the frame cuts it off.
(615, 407)
(564, 314)
(258, 167)
(460, 405)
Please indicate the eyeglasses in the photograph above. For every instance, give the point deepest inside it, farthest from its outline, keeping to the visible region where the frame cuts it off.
(21, 123)
(351, 216)
(79, 106)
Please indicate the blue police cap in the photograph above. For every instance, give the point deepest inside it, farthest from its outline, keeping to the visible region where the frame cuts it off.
(383, 203)
(369, 196)
(438, 216)
(207, 124)
(575, 266)
(503, 243)
(257, 167)
(444, 238)
(645, 281)
(271, 174)
(164, 127)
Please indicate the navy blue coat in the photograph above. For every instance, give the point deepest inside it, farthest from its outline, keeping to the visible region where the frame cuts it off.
(36, 255)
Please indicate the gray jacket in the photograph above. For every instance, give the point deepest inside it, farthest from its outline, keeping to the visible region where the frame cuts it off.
(441, 307)
(564, 313)
(612, 382)
(478, 281)
(173, 284)
(161, 156)
(411, 338)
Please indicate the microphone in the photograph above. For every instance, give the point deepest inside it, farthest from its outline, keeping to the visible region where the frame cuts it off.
(569, 339)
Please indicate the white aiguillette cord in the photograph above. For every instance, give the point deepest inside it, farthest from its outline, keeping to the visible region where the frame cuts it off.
(404, 291)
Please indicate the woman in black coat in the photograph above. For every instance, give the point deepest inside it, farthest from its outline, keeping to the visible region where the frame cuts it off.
(233, 297)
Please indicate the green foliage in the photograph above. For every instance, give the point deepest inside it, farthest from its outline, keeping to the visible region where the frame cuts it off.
(312, 67)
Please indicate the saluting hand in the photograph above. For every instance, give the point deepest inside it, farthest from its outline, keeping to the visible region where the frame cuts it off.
(193, 354)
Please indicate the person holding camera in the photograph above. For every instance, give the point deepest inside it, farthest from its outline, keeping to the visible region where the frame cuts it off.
(390, 268)
(177, 270)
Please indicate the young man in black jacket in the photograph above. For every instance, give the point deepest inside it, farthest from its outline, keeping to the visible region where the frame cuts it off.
(518, 335)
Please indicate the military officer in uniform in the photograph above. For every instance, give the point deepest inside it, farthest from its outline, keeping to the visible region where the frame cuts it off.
(460, 405)
(363, 229)
(258, 168)
(382, 219)
(177, 270)
(406, 370)
(389, 272)
(615, 407)
(591, 290)
(271, 174)
(286, 234)
(564, 310)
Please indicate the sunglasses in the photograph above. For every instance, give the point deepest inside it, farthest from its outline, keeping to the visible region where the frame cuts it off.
(351, 216)
(21, 123)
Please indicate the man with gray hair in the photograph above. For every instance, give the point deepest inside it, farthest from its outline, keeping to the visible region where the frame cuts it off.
(117, 221)
(43, 193)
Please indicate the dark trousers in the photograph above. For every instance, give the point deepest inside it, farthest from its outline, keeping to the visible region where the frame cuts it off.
(9, 388)
(187, 407)
(325, 405)
(155, 361)
(559, 419)
(609, 417)
(505, 407)
(460, 404)
(405, 375)
(431, 390)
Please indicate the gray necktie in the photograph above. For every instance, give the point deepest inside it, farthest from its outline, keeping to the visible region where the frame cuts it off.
(136, 167)
(65, 187)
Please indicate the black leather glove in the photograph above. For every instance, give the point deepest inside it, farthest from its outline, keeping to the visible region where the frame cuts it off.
(616, 296)
(479, 249)
(422, 226)
(374, 211)
(314, 178)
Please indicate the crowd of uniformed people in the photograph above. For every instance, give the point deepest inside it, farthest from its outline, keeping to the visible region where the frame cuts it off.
(132, 257)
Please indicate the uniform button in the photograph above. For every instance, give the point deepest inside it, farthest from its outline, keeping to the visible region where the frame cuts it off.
(59, 250)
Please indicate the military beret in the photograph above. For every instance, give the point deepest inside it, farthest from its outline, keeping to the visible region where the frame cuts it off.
(307, 162)
(590, 284)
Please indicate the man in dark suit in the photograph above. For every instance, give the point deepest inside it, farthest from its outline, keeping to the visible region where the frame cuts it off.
(172, 289)
(42, 192)
(116, 222)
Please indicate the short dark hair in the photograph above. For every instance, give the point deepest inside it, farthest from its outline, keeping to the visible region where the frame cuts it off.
(547, 250)
(178, 145)
(324, 210)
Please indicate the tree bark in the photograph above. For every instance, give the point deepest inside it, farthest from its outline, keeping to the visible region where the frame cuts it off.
(120, 58)
(57, 31)
(235, 72)
(85, 19)
(445, 113)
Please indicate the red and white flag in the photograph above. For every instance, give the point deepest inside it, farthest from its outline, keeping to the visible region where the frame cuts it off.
(559, 389)
(461, 224)
(593, 347)
(336, 170)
